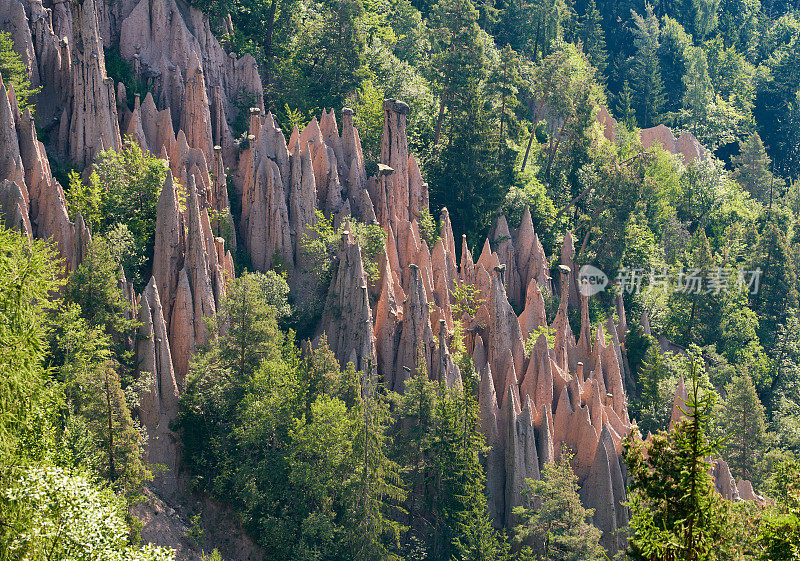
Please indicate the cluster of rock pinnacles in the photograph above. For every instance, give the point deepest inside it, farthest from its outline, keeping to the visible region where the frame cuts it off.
(531, 404)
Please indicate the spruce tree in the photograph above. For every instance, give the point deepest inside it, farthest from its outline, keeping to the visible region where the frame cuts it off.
(648, 86)
(698, 91)
(773, 263)
(590, 32)
(744, 424)
(650, 408)
(753, 169)
(457, 64)
(15, 73)
(676, 513)
(462, 529)
(557, 527)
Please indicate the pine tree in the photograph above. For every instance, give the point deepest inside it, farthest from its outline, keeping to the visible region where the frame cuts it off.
(753, 169)
(380, 480)
(81, 356)
(417, 416)
(557, 527)
(744, 423)
(503, 83)
(676, 513)
(648, 86)
(590, 32)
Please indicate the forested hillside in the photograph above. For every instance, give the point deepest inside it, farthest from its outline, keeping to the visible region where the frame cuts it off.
(399, 280)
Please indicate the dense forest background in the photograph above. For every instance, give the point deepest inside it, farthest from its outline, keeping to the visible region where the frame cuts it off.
(504, 98)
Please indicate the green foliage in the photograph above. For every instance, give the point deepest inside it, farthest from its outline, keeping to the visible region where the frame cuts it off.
(121, 200)
(675, 511)
(557, 527)
(652, 406)
(428, 228)
(86, 200)
(590, 32)
(298, 446)
(780, 536)
(27, 278)
(369, 120)
(753, 170)
(533, 336)
(94, 287)
(82, 358)
(438, 441)
(120, 70)
(647, 83)
(15, 73)
(59, 515)
(744, 424)
(466, 300)
(321, 241)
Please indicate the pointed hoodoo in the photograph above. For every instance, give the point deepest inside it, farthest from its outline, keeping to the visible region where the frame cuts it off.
(533, 316)
(416, 343)
(14, 208)
(604, 491)
(522, 459)
(347, 319)
(568, 260)
(159, 401)
(561, 323)
(169, 245)
(91, 123)
(394, 154)
(197, 267)
(504, 343)
(507, 256)
(679, 404)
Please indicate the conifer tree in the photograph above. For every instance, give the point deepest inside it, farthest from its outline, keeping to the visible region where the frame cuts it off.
(744, 424)
(676, 513)
(380, 485)
(648, 86)
(457, 64)
(753, 169)
(772, 264)
(504, 82)
(698, 91)
(462, 529)
(590, 32)
(625, 105)
(557, 527)
(15, 73)
(650, 408)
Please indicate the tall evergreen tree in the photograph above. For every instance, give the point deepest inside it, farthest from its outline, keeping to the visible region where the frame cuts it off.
(744, 423)
(590, 32)
(462, 529)
(557, 527)
(698, 92)
(15, 73)
(675, 511)
(772, 264)
(457, 65)
(648, 86)
(753, 170)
